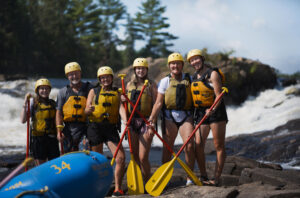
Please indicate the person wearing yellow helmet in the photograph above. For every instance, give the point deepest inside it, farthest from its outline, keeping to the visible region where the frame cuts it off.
(206, 87)
(141, 136)
(71, 100)
(44, 145)
(103, 108)
(174, 98)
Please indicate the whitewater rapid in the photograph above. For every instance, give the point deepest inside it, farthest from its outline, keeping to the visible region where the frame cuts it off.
(271, 108)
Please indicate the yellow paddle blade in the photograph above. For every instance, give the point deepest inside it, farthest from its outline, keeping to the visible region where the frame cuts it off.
(189, 172)
(134, 179)
(160, 178)
(112, 161)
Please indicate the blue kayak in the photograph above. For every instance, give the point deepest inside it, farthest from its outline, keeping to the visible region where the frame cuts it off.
(78, 174)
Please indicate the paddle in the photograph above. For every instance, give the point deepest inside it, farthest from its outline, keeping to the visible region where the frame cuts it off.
(28, 128)
(134, 175)
(128, 122)
(163, 174)
(61, 144)
(16, 171)
(182, 164)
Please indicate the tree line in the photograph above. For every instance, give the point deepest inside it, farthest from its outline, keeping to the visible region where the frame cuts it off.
(38, 37)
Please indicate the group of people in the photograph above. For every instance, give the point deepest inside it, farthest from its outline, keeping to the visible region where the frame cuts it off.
(95, 111)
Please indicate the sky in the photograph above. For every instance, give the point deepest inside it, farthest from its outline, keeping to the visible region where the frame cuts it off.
(263, 30)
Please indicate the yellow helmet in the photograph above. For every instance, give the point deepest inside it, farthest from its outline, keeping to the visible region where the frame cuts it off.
(104, 70)
(175, 57)
(140, 62)
(40, 82)
(72, 66)
(193, 52)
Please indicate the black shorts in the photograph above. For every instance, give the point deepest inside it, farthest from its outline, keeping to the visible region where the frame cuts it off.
(99, 133)
(45, 147)
(74, 132)
(219, 115)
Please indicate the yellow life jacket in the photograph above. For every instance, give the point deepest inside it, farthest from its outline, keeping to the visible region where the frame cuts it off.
(43, 120)
(73, 109)
(178, 94)
(202, 92)
(106, 106)
(146, 103)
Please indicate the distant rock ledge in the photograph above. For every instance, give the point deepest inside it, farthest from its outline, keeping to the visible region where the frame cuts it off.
(6, 77)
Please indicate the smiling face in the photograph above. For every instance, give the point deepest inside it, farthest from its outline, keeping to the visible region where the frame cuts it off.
(141, 72)
(196, 62)
(44, 91)
(176, 67)
(106, 80)
(74, 77)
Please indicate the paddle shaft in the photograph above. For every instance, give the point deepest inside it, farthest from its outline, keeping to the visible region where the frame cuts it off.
(134, 175)
(16, 171)
(61, 144)
(129, 120)
(184, 166)
(199, 124)
(28, 130)
(148, 123)
(126, 109)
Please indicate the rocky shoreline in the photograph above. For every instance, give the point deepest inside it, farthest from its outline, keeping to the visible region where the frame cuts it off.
(241, 178)
(245, 174)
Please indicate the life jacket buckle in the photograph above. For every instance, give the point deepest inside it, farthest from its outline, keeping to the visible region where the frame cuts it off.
(77, 106)
(106, 104)
(77, 98)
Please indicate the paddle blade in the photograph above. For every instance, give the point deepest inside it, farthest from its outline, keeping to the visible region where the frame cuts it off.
(160, 179)
(189, 172)
(134, 179)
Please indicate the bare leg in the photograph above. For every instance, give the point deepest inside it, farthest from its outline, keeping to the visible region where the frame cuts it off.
(144, 148)
(186, 130)
(218, 130)
(169, 137)
(135, 146)
(201, 137)
(120, 164)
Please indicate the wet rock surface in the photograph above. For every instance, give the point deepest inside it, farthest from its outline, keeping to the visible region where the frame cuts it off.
(242, 177)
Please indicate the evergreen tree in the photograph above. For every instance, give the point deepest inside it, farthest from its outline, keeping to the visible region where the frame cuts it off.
(150, 23)
(15, 37)
(112, 11)
(132, 35)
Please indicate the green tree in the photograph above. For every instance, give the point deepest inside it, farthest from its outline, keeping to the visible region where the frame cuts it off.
(111, 12)
(150, 24)
(15, 37)
(131, 35)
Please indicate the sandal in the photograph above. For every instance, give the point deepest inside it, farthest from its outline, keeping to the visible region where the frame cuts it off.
(204, 179)
(214, 182)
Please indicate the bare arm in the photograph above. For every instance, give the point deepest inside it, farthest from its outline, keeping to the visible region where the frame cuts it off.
(217, 85)
(24, 108)
(122, 111)
(157, 107)
(154, 91)
(59, 122)
(89, 108)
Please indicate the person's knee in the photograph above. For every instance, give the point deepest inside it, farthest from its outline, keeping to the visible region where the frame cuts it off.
(120, 160)
(144, 159)
(219, 147)
(189, 147)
